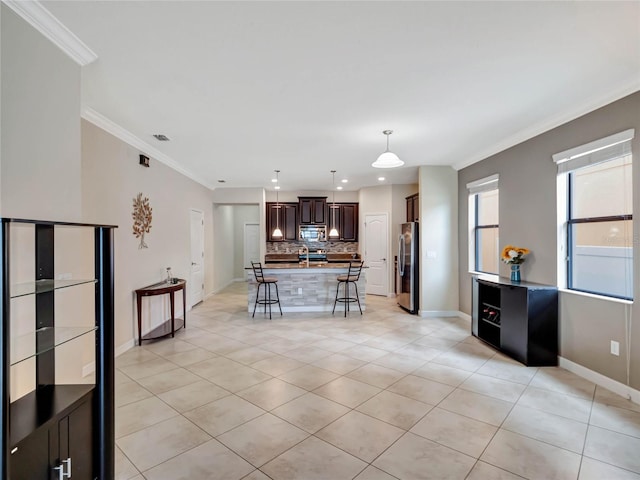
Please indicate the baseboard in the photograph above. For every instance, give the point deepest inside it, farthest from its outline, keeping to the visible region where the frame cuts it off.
(465, 316)
(241, 279)
(218, 290)
(124, 347)
(603, 381)
(441, 313)
(89, 368)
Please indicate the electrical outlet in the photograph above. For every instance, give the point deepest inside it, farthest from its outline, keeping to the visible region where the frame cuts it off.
(299, 290)
(615, 348)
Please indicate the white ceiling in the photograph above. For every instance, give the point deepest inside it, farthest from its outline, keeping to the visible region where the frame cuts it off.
(243, 88)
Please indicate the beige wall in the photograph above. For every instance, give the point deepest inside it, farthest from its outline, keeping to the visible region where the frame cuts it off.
(438, 240)
(111, 178)
(40, 120)
(528, 213)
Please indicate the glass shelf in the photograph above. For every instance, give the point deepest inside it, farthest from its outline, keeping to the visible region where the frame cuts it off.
(41, 286)
(24, 346)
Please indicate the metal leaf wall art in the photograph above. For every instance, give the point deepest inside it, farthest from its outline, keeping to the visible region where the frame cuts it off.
(142, 216)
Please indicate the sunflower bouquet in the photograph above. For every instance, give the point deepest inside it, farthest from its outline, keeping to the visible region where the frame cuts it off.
(514, 255)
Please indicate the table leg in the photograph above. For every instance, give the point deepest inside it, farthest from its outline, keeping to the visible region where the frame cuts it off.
(173, 314)
(139, 302)
(184, 304)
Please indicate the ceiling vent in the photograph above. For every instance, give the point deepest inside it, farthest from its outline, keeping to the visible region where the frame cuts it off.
(160, 137)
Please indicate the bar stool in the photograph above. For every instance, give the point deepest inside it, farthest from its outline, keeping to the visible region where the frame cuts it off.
(352, 276)
(267, 282)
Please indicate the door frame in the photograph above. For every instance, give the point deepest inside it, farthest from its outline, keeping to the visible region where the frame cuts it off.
(388, 234)
(246, 260)
(201, 212)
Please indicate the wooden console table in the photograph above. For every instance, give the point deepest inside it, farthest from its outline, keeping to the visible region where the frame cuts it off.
(170, 326)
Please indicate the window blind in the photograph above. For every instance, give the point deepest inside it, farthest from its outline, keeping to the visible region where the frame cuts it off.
(483, 185)
(592, 153)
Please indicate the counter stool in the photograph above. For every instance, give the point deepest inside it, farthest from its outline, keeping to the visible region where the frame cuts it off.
(261, 280)
(352, 276)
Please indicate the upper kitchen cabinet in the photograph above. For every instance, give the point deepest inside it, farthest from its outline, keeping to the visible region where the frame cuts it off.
(286, 218)
(313, 210)
(413, 208)
(346, 221)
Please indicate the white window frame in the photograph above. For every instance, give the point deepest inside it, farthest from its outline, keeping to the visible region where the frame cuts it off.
(592, 153)
(481, 185)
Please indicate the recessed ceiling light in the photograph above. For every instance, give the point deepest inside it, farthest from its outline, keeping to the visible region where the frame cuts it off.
(277, 187)
(381, 179)
(344, 180)
(338, 188)
(161, 137)
(222, 181)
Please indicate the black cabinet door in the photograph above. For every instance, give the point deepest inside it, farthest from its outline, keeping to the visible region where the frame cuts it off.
(290, 230)
(349, 216)
(413, 208)
(514, 335)
(30, 460)
(313, 210)
(79, 445)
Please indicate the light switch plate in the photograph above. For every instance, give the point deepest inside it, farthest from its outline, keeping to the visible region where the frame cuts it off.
(615, 348)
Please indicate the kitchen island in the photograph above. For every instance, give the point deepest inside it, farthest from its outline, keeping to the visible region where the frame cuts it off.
(307, 289)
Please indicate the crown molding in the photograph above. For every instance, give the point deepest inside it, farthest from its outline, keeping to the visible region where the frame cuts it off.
(126, 136)
(34, 13)
(549, 124)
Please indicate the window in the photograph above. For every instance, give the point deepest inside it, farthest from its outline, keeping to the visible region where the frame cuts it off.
(483, 223)
(599, 217)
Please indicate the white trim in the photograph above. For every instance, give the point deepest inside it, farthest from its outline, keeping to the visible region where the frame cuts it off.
(124, 347)
(596, 296)
(218, 290)
(564, 117)
(88, 369)
(601, 380)
(484, 184)
(465, 316)
(441, 313)
(594, 146)
(36, 15)
(123, 134)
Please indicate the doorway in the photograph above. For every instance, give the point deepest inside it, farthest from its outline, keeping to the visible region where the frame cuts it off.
(376, 237)
(196, 277)
(251, 244)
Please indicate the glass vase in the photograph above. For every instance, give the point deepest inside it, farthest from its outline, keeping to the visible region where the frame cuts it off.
(515, 273)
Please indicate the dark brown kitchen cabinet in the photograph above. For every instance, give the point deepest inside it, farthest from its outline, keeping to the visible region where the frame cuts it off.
(413, 208)
(518, 318)
(346, 221)
(286, 219)
(313, 210)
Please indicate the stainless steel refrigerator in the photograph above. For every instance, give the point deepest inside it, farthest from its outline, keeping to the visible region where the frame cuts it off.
(408, 283)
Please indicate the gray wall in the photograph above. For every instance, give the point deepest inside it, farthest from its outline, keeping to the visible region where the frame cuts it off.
(528, 213)
(40, 125)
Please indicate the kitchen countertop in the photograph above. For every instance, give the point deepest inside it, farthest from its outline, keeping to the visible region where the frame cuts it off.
(303, 266)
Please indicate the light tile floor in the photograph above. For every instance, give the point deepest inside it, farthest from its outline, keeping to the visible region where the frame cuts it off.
(385, 395)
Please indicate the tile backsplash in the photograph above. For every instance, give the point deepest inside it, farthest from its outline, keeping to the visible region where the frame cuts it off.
(329, 247)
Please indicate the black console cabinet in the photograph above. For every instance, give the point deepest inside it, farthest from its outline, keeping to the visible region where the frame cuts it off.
(520, 319)
(57, 430)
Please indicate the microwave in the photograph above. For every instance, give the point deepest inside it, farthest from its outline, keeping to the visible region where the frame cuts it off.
(312, 233)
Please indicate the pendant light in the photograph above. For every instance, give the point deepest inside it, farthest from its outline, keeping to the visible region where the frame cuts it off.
(387, 159)
(277, 232)
(334, 232)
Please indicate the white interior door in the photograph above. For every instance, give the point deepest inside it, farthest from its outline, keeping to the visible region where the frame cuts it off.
(195, 287)
(376, 228)
(251, 243)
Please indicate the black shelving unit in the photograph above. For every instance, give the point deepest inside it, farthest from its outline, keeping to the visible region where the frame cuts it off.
(57, 430)
(518, 318)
